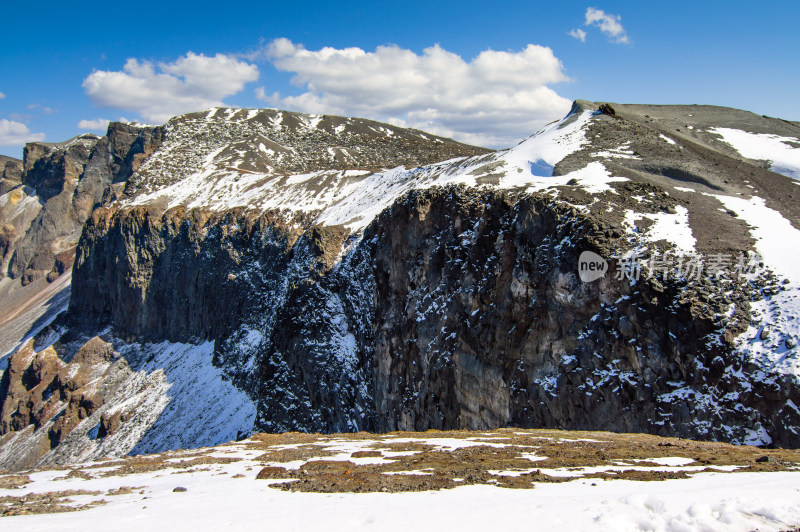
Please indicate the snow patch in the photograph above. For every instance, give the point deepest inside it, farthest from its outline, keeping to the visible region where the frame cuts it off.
(783, 153)
(771, 232)
(673, 228)
(200, 406)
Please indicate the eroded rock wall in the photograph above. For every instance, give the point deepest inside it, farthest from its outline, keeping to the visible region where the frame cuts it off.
(481, 321)
(287, 329)
(60, 186)
(456, 308)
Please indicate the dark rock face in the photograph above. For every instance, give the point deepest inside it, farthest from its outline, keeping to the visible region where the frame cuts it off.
(481, 321)
(457, 309)
(153, 268)
(317, 371)
(465, 310)
(255, 285)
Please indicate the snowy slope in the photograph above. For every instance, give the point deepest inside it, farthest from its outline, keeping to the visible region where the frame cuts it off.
(355, 197)
(169, 395)
(774, 329)
(782, 153)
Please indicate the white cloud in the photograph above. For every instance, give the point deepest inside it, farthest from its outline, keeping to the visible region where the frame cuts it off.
(578, 34)
(158, 92)
(495, 99)
(272, 99)
(2, 95)
(16, 133)
(609, 24)
(43, 108)
(98, 124)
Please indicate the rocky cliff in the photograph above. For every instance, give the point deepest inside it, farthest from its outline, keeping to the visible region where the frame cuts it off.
(10, 173)
(331, 274)
(44, 202)
(67, 181)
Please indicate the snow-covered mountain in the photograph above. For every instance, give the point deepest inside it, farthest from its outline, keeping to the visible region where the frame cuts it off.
(242, 270)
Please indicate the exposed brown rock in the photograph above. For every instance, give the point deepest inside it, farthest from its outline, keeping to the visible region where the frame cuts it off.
(39, 387)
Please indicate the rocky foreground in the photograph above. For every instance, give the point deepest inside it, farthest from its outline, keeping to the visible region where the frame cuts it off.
(575, 480)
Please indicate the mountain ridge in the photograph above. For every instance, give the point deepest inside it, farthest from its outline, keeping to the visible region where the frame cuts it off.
(440, 295)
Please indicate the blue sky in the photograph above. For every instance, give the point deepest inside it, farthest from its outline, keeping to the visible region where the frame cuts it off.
(481, 73)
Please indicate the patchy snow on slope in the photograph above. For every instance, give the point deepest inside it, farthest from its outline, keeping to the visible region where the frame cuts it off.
(771, 231)
(594, 178)
(171, 396)
(550, 145)
(673, 228)
(620, 152)
(705, 400)
(783, 153)
(774, 331)
(359, 201)
(200, 407)
(529, 165)
(774, 327)
(356, 197)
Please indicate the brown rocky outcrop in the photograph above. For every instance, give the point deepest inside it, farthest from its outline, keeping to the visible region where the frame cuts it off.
(10, 173)
(69, 180)
(40, 388)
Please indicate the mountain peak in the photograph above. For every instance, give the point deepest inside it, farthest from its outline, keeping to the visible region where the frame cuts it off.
(230, 141)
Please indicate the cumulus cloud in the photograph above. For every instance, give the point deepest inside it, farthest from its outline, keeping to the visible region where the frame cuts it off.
(16, 133)
(98, 124)
(578, 34)
(158, 91)
(2, 95)
(494, 99)
(609, 24)
(272, 99)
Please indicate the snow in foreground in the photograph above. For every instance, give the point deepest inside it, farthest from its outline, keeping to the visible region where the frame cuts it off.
(219, 490)
(746, 501)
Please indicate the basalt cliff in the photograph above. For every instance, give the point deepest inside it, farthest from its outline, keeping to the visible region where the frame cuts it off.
(627, 268)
